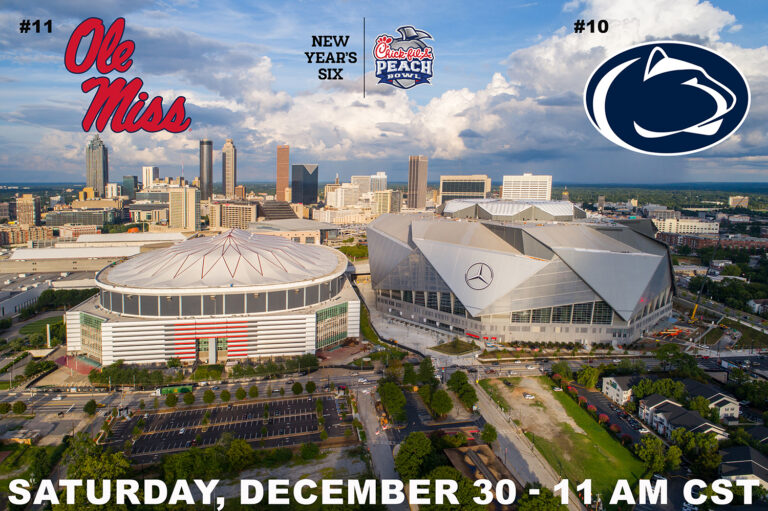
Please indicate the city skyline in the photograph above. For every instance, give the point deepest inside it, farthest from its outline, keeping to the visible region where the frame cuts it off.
(496, 104)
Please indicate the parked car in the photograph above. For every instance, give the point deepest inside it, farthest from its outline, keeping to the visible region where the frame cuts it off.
(528, 396)
(557, 389)
(182, 431)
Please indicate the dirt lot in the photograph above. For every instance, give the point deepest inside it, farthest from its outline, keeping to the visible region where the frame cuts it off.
(536, 415)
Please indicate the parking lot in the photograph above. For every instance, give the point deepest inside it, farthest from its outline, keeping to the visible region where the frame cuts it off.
(285, 421)
(628, 424)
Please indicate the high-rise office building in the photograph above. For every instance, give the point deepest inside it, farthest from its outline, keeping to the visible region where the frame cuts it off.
(184, 208)
(417, 182)
(476, 186)
(113, 190)
(363, 183)
(148, 176)
(379, 182)
(96, 165)
(304, 184)
(229, 168)
(527, 187)
(28, 209)
(283, 172)
(386, 201)
(130, 185)
(206, 169)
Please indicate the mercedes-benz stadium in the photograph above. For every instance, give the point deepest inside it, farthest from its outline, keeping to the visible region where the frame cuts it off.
(498, 282)
(232, 296)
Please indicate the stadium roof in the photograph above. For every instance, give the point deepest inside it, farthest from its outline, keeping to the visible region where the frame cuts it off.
(292, 224)
(29, 254)
(532, 265)
(504, 208)
(234, 258)
(148, 237)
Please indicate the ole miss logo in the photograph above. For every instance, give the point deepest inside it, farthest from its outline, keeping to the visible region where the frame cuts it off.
(404, 61)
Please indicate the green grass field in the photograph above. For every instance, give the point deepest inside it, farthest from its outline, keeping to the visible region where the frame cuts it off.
(595, 455)
(455, 347)
(712, 336)
(749, 336)
(38, 327)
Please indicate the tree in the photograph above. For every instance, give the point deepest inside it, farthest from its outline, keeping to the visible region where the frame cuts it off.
(156, 403)
(319, 407)
(441, 403)
(393, 400)
(563, 369)
(310, 387)
(209, 397)
(90, 407)
(282, 391)
(240, 393)
(5, 407)
(173, 362)
(465, 493)
(323, 435)
(457, 381)
(489, 433)
(142, 405)
(309, 451)
(674, 454)
(699, 404)
(412, 455)
(652, 452)
(409, 375)
(297, 388)
(188, 398)
(40, 465)
(253, 391)
(544, 501)
(240, 454)
(19, 407)
(225, 396)
(171, 400)
(588, 377)
(426, 371)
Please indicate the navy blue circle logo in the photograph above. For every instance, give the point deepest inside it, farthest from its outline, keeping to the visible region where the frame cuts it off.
(667, 98)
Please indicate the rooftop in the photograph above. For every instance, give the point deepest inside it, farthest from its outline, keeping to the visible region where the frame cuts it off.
(234, 258)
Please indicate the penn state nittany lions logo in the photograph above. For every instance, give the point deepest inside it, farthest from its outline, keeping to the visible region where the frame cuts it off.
(667, 98)
(406, 61)
(478, 276)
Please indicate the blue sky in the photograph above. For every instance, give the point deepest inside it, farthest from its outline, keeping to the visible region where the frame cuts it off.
(505, 98)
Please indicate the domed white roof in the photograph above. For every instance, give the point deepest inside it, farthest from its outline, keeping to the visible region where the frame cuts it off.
(232, 259)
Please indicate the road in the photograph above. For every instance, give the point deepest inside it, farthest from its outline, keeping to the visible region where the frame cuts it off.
(379, 445)
(517, 453)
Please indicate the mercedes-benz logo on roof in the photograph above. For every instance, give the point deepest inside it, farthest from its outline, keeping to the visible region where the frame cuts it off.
(479, 276)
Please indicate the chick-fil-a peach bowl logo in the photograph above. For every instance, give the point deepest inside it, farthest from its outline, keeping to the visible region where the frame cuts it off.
(115, 99)
(406, 61)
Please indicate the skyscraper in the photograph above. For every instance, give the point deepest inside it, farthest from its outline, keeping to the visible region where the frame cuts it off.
(184, 208)
(130, 185)
(379, 182)
(362, 182)
(229, 168)
(206, 169)
(476, 186)
(28, 209)
(527, 187)
(148, 176)
(283, 167)
(304, 184)
(96, 165)
(417, 182)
